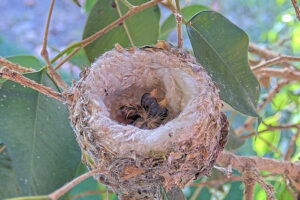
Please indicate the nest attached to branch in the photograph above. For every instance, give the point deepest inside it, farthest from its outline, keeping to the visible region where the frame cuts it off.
(136, 163)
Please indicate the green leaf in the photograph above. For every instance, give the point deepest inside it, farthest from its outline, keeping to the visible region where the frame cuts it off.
(259, 193)
(234, 141)
(170, 23)
(89, 5)
(296, 39)
(26, 61)
(222, 48)
(283, 193)
(259, 145)
(140, 29)
(39, 139)
(8, 179)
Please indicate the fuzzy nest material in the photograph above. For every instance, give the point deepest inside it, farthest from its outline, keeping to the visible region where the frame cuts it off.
(135, 163)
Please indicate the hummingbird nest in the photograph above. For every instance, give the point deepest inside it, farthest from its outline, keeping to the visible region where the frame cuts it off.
(136, 161)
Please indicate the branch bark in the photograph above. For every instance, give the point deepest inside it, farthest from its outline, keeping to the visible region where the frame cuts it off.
(266, 54)
(248, 124)
(295, 4)
(6, 63)
(64, 189)
(274, 61)
(44, 53)
(19, 78)
(287, 73)
(266, 164)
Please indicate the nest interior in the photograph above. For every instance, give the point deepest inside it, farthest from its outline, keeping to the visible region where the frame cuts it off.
(137, 162)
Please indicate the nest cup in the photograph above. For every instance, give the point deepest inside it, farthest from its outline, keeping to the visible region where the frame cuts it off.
(136, 163)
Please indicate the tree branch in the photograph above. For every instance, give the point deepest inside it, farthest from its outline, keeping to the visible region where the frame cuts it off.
(14, 66)
(270, 128)
(286, 73)
(44, 53)
(19, 78)
(267, 164)
(249, 188)
(274, 61)
(133, 10)
(266, 54)
(295, 4)
(2, 148)
(248, 124)
(291, 146)
(64, 189)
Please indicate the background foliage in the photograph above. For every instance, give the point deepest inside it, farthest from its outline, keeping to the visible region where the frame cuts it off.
(45, 155)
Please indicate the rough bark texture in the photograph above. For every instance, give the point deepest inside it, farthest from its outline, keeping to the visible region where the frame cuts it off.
(135, 162)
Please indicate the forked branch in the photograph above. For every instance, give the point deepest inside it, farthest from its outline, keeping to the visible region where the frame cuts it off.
(132, 11)
(44, 53)
(273, 166)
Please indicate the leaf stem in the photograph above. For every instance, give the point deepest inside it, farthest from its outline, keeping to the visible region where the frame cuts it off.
(19, 78)
(63, 52)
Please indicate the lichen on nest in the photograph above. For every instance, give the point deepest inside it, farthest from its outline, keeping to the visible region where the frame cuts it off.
(136, 162)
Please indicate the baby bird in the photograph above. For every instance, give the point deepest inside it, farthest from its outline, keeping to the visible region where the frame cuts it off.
(149, 115)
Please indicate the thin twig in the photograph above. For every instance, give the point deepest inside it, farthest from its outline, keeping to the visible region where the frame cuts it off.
(178, 18)
(14, 66)
(2, 148)
(124, 24)
(233, 114)
(44, 53)
(291, 146)
(295, 4)
(270, 128)
(133, 10)
(266, 54)
(289, 187)
(286, 73)
(249, 188)
(196, 193)
(274, 61)
(248, 124)
(19, 78)
(64, 189)
(265, 164)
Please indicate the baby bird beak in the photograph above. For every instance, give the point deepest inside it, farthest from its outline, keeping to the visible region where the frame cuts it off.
(163, 102)
(153, 93)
